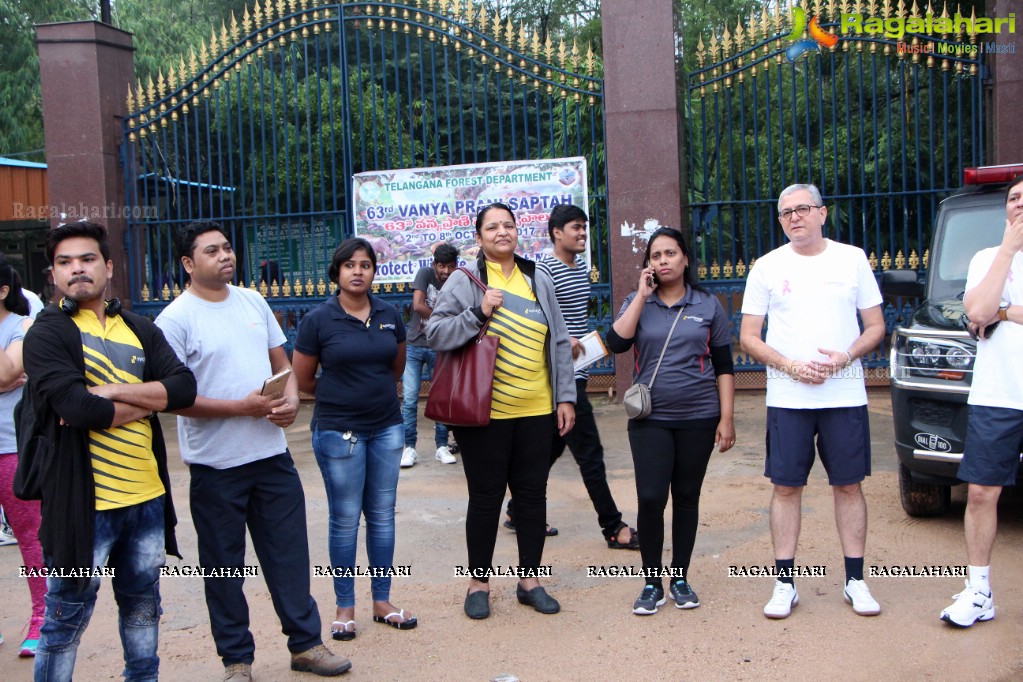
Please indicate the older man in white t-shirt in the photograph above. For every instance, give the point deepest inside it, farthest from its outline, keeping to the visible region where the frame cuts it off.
(811, 289)
(994, 432)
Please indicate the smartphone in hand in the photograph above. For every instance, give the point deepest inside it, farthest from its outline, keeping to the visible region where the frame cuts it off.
(276, 383)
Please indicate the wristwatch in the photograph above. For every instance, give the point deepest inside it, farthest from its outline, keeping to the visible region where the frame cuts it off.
(1003, 312)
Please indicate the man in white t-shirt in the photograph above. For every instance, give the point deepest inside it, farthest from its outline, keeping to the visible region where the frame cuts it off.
(994, 432)
(811, 290)
(240, 469)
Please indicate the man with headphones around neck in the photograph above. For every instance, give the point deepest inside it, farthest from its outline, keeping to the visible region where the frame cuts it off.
(99, 375)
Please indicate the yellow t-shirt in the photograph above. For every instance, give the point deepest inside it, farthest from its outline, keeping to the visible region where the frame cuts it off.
(522, 386)
(123, 464)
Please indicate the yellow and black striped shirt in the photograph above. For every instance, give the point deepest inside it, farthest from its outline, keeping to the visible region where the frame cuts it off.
(522, 386)
(123, 464)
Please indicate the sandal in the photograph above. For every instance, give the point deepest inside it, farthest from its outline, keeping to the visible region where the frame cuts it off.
(612, 539)
(550, 531)
(343, 630)
(403, 624)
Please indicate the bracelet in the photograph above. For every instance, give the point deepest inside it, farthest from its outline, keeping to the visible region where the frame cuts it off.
(848, 355)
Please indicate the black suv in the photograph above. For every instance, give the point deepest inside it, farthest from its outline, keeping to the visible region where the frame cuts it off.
(932, 355)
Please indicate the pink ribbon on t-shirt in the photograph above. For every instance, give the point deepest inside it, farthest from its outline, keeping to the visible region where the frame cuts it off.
(785, 287)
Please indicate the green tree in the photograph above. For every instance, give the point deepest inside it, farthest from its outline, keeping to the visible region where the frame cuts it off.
(21, 113)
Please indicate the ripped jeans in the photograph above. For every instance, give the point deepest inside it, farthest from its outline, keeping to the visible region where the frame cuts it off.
(130, 541)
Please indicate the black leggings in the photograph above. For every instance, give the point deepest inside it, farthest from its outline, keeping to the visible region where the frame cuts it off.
(676, 459)
(506, 454)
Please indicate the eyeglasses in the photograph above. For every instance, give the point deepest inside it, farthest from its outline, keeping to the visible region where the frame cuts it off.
(802, 211)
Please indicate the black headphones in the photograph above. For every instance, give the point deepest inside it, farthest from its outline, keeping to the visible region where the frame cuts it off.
(70, 306)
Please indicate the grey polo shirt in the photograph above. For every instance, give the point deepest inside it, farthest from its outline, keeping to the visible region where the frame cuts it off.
(686, 386)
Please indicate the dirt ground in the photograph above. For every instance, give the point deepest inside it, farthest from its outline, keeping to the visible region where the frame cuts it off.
(596, 636)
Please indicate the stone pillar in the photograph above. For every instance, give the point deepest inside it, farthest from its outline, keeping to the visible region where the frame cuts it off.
(1006, 136)
(642, 130)
(85, 68)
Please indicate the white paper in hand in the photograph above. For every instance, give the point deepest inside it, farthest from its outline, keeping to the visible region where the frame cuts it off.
(593, 350)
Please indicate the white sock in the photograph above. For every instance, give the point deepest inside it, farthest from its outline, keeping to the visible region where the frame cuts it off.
(979, 578)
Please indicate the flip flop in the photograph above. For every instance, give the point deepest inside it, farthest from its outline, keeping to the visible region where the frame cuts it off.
(343, 630)
(403, 624)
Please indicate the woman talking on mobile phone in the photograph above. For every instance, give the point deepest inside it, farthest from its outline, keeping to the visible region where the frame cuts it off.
(682, 340)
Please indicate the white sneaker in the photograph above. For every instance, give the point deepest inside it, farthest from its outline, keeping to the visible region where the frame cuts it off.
(970, 606)
(444, 455)
(408, 457)
(7, 536)
(782, 601)
(858, 594)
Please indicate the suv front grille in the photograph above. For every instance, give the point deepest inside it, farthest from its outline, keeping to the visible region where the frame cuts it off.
(932, 412)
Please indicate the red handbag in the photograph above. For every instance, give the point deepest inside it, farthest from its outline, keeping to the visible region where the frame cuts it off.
(463, 379)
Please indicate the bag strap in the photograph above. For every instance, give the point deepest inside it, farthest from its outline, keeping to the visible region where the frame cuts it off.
(474, 278)
(481, 285)
(670, 332)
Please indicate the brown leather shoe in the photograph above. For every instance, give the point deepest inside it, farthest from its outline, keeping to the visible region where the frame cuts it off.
(238, 672)
(320, 661)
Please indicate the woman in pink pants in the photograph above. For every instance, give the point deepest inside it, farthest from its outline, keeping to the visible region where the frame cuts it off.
(22, 516)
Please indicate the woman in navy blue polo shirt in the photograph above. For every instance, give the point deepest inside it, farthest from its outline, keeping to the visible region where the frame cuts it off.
(359, 341)
(692, 399)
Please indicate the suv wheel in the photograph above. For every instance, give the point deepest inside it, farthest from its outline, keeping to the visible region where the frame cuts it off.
(920, 499)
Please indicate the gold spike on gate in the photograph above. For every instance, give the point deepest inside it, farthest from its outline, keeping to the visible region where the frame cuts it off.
(726, 48)
(172, 79)
(495, 31)
(739, 44)
(185, 97)
(193, 68)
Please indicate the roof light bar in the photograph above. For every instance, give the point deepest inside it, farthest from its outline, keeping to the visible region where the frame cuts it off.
(990, 175)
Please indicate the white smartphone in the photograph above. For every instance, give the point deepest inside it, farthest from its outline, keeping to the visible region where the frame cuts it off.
(276, 383)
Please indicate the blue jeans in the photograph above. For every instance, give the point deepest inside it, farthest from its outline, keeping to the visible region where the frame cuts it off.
(360, 479)
(419, 361)
(129, 540)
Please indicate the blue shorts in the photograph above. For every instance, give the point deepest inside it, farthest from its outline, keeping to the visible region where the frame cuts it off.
(994, 438)
(843, 441)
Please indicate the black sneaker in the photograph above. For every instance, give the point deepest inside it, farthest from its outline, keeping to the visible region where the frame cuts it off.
(651, 597)
(684, 596)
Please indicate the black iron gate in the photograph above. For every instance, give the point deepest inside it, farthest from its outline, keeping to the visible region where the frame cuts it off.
(883, 126)
(263, 128)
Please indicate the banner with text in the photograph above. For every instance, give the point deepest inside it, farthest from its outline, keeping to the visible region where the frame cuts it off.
(406, 213)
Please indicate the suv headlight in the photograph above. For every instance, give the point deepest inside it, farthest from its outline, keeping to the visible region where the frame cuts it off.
(927, 356)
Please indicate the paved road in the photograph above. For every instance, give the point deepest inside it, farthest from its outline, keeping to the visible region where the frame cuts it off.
(596, 637)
